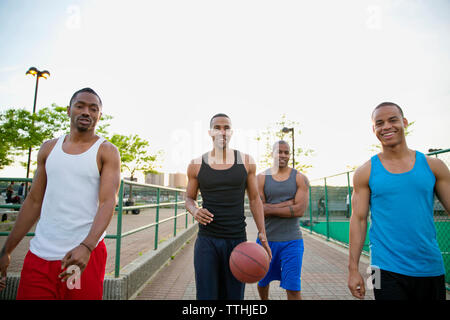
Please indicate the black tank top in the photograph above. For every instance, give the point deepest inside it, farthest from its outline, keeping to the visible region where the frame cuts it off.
(223, 193)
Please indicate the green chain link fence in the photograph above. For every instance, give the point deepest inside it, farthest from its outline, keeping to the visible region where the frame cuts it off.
(330, 209)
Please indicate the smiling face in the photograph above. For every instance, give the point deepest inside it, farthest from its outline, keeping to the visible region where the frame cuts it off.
(84, 112)
(221, 132)
(389, 125)
(281, 154)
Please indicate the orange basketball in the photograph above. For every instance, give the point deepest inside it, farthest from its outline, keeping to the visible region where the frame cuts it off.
(249, 262)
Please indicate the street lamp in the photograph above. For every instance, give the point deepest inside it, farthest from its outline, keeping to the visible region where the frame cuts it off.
(38, 74)
(286, 130)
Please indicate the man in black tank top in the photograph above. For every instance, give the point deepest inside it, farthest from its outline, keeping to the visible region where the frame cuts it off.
(222, 176)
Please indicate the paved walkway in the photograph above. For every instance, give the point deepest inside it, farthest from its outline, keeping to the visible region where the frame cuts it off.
(324, 271)
(324, 274)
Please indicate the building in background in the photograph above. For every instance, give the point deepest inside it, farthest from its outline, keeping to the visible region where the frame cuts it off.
(154, 178)
(178, 180)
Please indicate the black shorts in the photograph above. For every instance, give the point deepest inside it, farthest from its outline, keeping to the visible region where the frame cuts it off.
(395, 286)
(213, 277)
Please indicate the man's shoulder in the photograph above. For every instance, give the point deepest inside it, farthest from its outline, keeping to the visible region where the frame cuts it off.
(246, 158)
(49, 143)
(298, 173)
(196, 161)
(301, 178)
(433, 160)
(47, 146)
(108, 151)
(362, 173)
(436, 165)
(108, 146)
(194, 167)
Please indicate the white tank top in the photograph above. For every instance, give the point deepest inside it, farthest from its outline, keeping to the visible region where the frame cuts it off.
(70, 201)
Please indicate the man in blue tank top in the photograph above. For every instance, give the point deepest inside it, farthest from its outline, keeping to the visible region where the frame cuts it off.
(284, 192)
(398, 185)
(222, 176)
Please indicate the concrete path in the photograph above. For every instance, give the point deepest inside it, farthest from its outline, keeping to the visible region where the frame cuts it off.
(324, 274)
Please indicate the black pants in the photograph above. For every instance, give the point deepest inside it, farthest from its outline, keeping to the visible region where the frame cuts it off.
(213, 277)
(395, 286)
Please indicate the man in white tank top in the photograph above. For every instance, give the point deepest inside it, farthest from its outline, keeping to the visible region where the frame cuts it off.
(73, 195)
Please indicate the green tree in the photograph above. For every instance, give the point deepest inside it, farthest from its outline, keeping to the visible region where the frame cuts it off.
(273, 133)
(20, 130)
(135, 155)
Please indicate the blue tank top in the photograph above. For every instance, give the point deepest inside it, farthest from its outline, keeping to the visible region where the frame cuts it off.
(402, 232)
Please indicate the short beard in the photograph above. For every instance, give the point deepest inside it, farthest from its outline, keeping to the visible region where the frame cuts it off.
(82, 129)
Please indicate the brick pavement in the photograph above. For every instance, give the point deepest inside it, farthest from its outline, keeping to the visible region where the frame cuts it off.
(324, 274)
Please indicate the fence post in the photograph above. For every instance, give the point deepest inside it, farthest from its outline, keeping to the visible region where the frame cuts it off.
(175, 220)
(186, 211)
(119, 231)
(326, 209)
(349, 195)
(310, 211)
(157, 218)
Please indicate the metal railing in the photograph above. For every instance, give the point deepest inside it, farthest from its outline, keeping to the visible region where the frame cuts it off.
(150, 202)
(330, 210)
(144, 196)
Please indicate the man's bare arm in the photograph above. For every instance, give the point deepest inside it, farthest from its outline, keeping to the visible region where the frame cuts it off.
(202, 215)
(29, 212)
(442, 186)
(109, 189)
(287, 209)
(256, 206)
(358, 228)
(31, 208)
(280, 204)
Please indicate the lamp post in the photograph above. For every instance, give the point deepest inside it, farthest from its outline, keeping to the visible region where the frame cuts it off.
(38, 74)
(286, 130)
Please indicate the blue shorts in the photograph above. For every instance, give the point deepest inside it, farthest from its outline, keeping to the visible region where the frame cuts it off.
(286, 264)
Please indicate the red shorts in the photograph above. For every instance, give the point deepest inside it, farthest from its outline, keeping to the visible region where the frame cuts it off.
(39, 279)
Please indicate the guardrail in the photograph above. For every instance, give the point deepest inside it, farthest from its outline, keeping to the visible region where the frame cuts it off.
(120, 208)
(150, 202)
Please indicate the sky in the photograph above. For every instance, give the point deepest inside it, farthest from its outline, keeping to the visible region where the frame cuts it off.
(164, 68)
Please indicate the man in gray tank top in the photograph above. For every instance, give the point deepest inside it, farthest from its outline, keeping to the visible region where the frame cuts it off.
(284, 192)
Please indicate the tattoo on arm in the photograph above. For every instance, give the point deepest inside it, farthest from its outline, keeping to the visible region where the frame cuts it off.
(306, 181)
(291, 210)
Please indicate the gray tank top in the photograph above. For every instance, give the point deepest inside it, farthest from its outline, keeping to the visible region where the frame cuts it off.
(281, 229)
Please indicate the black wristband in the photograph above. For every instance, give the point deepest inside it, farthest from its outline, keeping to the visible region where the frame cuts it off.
(83, 244)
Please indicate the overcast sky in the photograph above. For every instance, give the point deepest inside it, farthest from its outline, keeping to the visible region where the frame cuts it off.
(163, 68)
